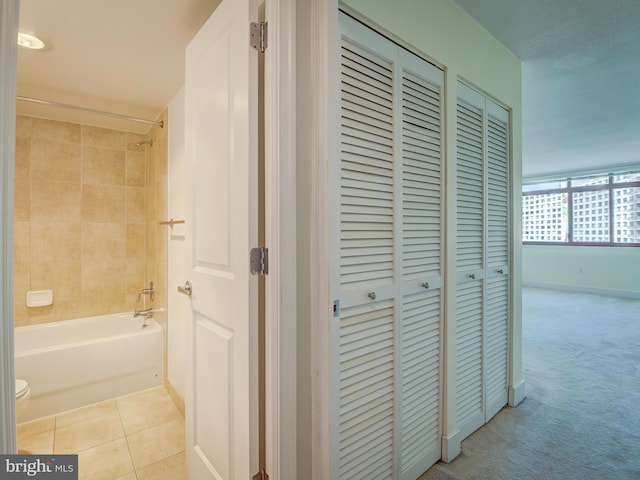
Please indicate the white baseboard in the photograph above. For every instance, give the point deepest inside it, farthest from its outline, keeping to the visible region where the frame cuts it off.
(451, 446)
(516, 394)
(582, 289)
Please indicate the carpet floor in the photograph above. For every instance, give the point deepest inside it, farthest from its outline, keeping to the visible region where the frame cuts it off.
(581, 416)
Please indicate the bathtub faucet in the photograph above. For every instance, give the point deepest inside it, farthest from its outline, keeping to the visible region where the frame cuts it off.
(148, 313)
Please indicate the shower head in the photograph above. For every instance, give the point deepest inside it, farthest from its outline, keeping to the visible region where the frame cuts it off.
(145, 142)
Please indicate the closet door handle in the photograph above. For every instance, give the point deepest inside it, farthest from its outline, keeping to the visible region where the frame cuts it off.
(371, 295)
(425, 285)
(472, 276)
(500, 271)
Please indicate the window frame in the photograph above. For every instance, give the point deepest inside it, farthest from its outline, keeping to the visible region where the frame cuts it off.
(609, 187)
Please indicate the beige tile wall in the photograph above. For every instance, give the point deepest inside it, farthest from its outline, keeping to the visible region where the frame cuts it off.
(80, 219)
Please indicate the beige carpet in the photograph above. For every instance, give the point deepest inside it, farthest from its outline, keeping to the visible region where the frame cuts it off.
(581, 417)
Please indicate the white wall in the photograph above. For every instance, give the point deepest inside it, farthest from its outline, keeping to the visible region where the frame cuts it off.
(178, 304)
(604, 270)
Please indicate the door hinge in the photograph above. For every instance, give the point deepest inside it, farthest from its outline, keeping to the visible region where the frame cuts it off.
(259, 261)
(261, 475)
(258, 33)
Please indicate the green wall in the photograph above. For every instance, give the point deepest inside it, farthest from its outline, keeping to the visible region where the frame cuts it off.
(444, 33)
(604, 270)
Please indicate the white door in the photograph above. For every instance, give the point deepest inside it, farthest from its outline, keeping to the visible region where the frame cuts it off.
(221, 145)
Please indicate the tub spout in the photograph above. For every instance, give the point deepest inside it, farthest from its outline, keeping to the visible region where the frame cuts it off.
(148, 313)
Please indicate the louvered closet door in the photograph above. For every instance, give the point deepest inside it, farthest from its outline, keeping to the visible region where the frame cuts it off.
(367, 344)
(387, 379)
(421, 287)
(497, 277)
(482, 297)
(470, 251)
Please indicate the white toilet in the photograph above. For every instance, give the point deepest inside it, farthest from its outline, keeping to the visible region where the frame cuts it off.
(23, 394)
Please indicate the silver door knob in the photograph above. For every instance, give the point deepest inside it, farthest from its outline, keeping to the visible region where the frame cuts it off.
(372, 295)
(472, 275)
(186, 290)
(425, 285)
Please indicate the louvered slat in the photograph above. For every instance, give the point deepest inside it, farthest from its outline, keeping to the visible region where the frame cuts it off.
(366, 413)
(420, 392)
(497, 320)
(470, 187)
(367, 171)
(498, 193)
(469, 388)
(421, 177)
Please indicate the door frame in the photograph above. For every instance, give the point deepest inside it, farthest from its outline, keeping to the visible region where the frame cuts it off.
(280, 191)
(324, 108)
(8, 55)
(280, 239)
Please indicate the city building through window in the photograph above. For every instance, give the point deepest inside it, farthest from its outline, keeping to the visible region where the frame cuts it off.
(596, 210)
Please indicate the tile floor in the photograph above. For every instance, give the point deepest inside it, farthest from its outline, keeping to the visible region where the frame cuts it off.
(134, 437)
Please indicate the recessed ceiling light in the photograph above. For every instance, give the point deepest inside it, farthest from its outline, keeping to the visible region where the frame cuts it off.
(28, 40)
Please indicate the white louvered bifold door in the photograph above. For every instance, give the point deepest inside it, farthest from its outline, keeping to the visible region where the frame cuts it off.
(470, 252)
(421, 278)
(497, 272)
(482, 297)
(386, 384)
(367, 344)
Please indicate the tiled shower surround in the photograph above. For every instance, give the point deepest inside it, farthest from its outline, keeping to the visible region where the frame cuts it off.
(88, 203)
(87, 206)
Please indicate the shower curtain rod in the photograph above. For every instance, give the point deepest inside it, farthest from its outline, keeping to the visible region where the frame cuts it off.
(91, 110)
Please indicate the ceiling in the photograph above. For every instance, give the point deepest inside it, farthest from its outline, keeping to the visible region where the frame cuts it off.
(580, 79)
(121, 56)
(581, 68)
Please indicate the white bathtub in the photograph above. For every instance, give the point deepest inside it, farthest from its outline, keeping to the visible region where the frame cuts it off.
(75, 363)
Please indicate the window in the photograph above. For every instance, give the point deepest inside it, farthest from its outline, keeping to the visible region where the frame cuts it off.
(596, 210)
(544, 217)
